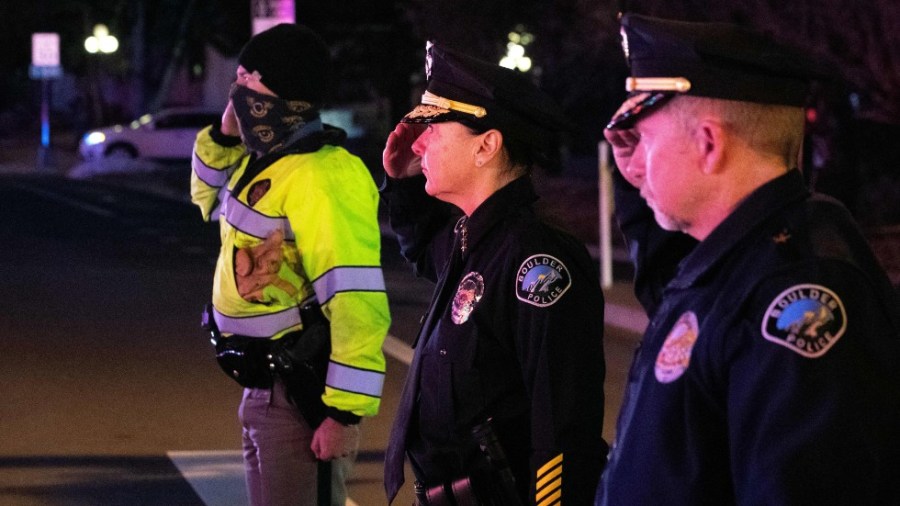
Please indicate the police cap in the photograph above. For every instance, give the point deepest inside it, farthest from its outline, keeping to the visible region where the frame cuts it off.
(715, 60)
(475, 92)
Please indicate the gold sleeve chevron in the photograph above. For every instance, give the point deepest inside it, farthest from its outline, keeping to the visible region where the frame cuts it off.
(548, 487)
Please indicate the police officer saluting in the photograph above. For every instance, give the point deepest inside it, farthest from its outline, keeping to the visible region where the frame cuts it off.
(299, 312)
(503, 403)
(769, 370)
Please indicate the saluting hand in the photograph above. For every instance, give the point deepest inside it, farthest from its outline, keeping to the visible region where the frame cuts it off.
(229, 122)
(624, 142)
(398, 157)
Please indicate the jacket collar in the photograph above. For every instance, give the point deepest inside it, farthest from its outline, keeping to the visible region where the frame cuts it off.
(504, 202)
(766, 201)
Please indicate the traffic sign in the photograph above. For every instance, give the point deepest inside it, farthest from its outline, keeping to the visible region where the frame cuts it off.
(45, 49)
(44, 72)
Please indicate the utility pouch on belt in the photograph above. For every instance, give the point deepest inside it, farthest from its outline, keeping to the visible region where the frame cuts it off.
(492, 484)
(299, 359)
(240, 357)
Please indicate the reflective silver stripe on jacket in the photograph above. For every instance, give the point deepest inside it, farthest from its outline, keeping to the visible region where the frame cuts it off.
(220, 198)
(250, 221)
(348, 279)
(351, 379)
(210, 176)
(263, 326)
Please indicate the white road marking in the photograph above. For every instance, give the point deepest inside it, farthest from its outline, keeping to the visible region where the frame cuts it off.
(217, 476)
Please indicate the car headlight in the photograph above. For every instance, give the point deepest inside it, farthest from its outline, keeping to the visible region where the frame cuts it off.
(94, 138)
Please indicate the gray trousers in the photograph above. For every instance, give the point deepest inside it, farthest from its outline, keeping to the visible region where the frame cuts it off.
(280, 467)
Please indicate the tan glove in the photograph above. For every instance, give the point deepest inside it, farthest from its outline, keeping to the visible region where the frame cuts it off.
(261, 268)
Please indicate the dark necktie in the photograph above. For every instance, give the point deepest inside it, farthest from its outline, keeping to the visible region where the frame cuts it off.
(396, 450)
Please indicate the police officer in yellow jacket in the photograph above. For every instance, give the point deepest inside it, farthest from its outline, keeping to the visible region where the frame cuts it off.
(298, 218)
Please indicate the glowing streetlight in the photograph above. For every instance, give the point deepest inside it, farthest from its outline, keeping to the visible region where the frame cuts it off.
(515, 51)
(101, 41)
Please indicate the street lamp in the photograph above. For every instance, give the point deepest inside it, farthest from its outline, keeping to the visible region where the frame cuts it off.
(515, 50)
(101, 41)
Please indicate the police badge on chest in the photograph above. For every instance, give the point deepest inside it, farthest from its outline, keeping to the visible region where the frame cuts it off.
(468, 293)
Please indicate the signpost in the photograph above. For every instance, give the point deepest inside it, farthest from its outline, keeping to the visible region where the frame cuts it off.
(268, 13)
(45, 66)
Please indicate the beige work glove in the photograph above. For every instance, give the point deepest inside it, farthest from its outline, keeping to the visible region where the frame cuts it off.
(262, 274)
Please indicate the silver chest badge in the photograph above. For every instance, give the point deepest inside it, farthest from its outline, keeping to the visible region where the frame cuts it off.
(468, 293)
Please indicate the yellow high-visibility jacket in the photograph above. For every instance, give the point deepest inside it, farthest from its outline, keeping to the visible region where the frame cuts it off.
(325, 202)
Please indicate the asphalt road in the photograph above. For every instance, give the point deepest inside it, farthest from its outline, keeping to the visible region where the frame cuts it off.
(107, 380)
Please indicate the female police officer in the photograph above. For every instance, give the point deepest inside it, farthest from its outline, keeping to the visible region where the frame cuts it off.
(514, 332)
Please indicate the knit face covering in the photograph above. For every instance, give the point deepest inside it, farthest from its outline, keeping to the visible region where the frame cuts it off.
(268, 123)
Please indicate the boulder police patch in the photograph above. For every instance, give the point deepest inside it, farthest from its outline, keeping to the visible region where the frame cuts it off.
(468, 293)
(807, 319)
(675, 356)
(541, 280)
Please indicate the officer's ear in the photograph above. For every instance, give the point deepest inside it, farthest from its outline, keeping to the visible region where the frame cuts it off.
(487, 147)
(710, 138)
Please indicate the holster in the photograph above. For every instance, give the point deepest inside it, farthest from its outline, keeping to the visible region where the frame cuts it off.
(491, 483)
(302, 363)
(299, 359)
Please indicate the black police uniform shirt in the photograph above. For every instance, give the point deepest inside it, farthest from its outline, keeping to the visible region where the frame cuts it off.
(516, 337)
(770, 369)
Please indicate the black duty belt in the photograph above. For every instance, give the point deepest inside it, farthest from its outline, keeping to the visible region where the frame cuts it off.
(299, 359)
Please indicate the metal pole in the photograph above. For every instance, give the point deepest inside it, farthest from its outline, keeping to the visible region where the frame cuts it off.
(604, 183)
(44, 150)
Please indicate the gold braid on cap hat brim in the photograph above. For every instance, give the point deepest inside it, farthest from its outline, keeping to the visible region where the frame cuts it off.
(678, 84)
(431, 99)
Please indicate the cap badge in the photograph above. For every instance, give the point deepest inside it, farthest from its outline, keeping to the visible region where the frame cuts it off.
(807, 319)
(468, 293)
(625, 44)
(675, 356)
(428, 59)
(541, 280)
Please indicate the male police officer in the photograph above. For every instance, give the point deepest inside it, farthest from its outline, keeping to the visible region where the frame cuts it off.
(769, 370)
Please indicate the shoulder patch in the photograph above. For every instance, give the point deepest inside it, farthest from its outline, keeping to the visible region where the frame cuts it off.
(541, 280)
(675, 356)
(807, 319)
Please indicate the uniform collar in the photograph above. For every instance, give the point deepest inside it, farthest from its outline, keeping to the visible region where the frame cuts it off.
(503, 202)
(766, 201)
